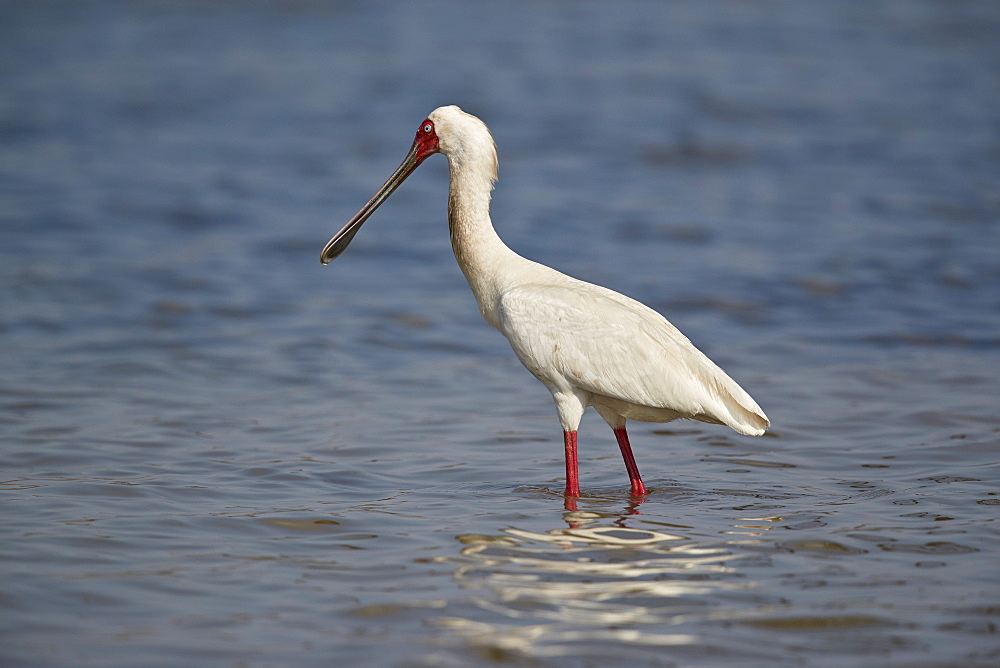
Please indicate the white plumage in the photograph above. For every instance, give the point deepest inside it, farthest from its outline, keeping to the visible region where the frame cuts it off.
(588, 345)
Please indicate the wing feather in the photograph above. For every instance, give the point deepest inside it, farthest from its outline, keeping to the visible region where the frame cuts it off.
(586, 336)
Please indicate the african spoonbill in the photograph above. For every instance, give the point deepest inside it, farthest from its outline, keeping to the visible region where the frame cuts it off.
(589, 345)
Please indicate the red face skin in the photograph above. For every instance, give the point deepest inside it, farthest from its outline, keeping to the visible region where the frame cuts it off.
(426, 141)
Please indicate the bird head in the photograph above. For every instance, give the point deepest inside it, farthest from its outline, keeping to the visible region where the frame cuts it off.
(462, 137)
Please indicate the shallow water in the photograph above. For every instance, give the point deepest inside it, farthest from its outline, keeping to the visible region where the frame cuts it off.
(216, 451)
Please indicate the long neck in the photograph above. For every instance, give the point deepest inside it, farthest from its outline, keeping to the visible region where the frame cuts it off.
(480, 253)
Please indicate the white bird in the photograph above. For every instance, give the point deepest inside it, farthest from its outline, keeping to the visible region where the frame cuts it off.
(589, 345)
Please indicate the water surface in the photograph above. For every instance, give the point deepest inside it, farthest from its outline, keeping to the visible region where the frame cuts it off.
(216, 451)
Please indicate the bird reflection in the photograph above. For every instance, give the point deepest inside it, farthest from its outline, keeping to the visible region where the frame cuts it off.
(635, 500)
(547, 588)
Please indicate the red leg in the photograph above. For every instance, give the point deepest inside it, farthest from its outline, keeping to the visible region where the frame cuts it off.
(638, 488)
(572, 468)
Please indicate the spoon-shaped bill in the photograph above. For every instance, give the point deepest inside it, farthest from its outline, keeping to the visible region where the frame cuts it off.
(341, 239)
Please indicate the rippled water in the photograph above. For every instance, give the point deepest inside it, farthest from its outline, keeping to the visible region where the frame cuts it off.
(216, 451)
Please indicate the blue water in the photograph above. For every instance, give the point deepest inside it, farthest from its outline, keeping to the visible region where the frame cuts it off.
(216, 451)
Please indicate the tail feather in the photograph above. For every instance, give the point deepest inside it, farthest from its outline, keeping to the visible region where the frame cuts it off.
(741, 412)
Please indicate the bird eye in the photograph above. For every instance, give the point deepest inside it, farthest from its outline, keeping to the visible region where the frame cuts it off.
(428, 127)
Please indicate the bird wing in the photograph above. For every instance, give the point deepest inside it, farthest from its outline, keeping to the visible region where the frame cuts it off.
(595, 339)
